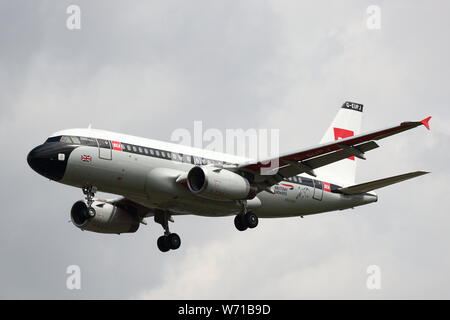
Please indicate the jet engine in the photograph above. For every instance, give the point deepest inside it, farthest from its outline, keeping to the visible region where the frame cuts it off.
(107, 219)
(219, 184)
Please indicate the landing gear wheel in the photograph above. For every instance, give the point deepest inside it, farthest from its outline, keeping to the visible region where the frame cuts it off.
(174, 241)
(163, 244)
(91, 212)
(240, 223)
(251, 220)
(89, 192)
(169, 241)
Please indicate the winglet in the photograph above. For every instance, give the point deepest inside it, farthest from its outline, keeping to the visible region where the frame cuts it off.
(425, 122)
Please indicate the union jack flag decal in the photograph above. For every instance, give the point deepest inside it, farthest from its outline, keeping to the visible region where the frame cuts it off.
(85, 158)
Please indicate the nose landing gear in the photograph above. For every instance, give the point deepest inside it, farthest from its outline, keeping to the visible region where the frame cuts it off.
(89, 192)
(168, 241)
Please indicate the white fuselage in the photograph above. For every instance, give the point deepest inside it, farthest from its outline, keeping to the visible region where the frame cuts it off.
(145, 171)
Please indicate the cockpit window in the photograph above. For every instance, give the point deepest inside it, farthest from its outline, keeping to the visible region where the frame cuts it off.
(66, 139)
(54, 139)
(76, 140)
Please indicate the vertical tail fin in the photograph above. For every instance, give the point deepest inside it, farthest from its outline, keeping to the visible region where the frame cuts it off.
(347, 123)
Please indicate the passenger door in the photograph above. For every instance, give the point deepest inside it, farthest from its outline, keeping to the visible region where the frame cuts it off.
(318, 190)
(104, 149)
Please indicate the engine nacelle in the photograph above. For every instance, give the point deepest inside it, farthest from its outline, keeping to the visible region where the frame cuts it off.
(108, 218)
(219, 184)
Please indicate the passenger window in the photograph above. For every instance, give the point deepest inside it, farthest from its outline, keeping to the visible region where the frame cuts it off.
(145, 150)
(141, 150)
(88, 141)
(103, 143)
(152, 152)
(157, 153)
(187, 159)
(307, 182)
(134, 149)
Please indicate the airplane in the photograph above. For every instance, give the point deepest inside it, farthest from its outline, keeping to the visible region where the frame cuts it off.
(162, 180)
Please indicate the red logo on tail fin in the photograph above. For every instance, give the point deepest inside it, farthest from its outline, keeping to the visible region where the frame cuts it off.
(340, 133)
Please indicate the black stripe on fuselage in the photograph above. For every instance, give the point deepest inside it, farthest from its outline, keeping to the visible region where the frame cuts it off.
(313, 183)
(136, 149)
(173, 156)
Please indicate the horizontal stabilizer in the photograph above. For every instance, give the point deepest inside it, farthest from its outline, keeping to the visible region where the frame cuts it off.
(377, 184)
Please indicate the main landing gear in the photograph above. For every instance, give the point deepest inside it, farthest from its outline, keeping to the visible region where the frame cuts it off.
(243, 221)
(168, 241)
(89, 192)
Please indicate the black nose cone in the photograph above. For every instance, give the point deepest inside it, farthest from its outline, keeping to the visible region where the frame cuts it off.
(49, 160)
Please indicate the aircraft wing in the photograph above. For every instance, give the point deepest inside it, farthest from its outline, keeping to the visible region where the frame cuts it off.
(263, 175)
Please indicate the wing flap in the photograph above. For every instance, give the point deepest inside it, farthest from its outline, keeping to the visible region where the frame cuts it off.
(377, 184)
(320, 161)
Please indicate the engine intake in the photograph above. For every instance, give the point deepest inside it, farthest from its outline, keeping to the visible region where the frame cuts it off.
(219, 184)
(108, 218)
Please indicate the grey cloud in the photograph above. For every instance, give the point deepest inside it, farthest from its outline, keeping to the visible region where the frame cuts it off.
(148, 68)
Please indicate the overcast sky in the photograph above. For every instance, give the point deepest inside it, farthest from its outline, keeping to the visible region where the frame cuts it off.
(148, 68)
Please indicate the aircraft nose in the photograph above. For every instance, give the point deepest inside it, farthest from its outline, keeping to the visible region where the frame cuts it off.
(33, 157)
(49, 161)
